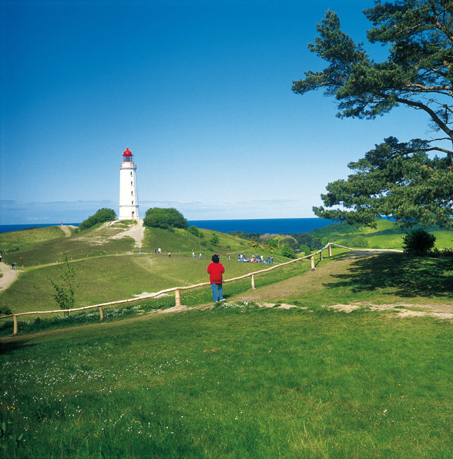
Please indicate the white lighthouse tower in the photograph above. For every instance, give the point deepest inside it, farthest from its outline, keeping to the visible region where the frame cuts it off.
(128, 188)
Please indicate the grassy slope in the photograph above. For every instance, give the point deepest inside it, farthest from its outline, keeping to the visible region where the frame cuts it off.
(105, 276)
(226, 384)
(385, 235)
(19, 239)
(90, 243)
(390, 278)
(257, 383)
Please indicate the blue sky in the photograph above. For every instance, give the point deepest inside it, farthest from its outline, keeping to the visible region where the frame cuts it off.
(198, 90)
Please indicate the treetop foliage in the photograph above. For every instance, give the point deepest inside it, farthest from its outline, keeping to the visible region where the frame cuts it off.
(399, 180)
(418, 70)
(164, 218)
(101, 216)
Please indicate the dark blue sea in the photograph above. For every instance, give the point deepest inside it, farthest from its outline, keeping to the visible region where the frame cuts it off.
(262, 226)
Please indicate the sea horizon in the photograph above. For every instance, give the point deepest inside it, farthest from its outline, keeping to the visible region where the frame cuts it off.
(252, 225)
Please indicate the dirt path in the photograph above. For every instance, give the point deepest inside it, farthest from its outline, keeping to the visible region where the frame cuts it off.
(137, 232)
(9, 275)
(66, 230)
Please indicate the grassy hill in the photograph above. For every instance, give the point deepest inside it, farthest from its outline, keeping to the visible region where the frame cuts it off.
(238, 380)
(17, 240)
(234, 382)
(385, 235)
(110, 269)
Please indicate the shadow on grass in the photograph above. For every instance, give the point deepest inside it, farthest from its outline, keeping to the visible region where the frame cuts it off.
(8, 347)
(406, 276)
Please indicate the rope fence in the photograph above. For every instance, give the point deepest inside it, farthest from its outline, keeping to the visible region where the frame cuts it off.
(178, 290)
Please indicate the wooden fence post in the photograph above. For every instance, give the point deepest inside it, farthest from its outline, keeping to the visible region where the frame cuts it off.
(320, 256)
(15, 325)
(177, 298)
(253, 282)
(330, 250)
(312, 262)
(101, 314)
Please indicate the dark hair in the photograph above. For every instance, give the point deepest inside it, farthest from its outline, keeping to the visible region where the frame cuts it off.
(215, 258)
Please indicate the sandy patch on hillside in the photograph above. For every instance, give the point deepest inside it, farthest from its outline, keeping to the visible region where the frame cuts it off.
(137, 232)
(281, 306)
(111, 230)
(67, 229)
(403, 310)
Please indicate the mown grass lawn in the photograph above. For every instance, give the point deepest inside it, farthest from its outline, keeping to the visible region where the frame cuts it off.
(236, 382)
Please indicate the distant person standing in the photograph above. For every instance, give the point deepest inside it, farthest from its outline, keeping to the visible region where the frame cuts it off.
(215, 271)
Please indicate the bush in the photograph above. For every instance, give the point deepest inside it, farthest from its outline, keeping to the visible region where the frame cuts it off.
(164, 218)
(273, 243)
(289, 240)
(64, 292)
(418, 241)
(214, 239)
(5, 310)
(287, 251)
(194, 230)
(101, 216)
(304, 249)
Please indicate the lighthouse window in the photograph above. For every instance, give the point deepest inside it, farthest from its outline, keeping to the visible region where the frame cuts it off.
(132, 183)
(132, 193)
(131, 174)
(132, 202)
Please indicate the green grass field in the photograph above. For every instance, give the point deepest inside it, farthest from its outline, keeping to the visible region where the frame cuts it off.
(110, 269)
(385, 235)
(235, 381)
(16, 240)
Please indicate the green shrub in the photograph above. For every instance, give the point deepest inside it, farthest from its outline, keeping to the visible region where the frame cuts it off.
(304, 249)
(215, 239)
(418, 241)
(64, 292)
(101, 216)
(194, 230)
(287, 251)
(5, 310)
(164, 218)
(273, 243)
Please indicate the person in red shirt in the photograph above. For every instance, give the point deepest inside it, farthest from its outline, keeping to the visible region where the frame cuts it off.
(215, 271)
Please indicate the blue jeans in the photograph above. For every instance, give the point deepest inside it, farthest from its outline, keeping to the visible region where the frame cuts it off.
(214, 292)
